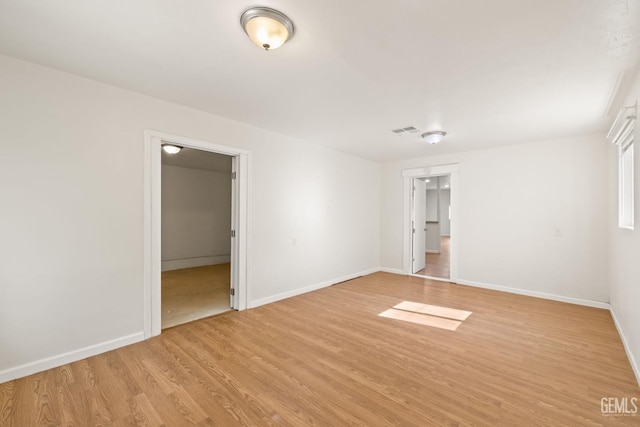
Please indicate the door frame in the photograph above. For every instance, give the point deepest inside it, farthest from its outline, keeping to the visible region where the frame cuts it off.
(153, 222)
(430, 171)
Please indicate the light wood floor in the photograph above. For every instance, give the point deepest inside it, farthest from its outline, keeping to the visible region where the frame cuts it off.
(194, 293)
(327, 358)
(438, 265)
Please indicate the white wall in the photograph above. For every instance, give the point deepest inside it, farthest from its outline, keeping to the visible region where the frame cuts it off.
(624, 250)
(196, 217)
(432, 233)
(71, 221)
(512, 201)
(432, 205)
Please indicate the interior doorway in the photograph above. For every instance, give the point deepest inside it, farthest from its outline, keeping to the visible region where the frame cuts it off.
(238, 231)
(430, 203)
(195, 235)
(432, 224)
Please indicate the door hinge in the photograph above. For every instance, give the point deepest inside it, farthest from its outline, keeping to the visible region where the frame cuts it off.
(233, 175)
(413, 230)
(233, 233)
(233, 292)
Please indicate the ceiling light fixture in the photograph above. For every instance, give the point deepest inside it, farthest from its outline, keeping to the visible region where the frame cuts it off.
(433, 137)
(266, 27)
(171, 149)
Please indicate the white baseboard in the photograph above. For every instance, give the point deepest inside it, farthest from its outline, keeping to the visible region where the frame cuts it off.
(315, 287)
(570, 300)
(71, 356)
(392, 270)
(627, 349)
(179, 264)
(561, 298)
(432, 252)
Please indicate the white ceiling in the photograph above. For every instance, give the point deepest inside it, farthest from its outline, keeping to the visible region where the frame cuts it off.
(489, 73)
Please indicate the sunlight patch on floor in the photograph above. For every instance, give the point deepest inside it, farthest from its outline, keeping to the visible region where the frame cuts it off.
(428, 315)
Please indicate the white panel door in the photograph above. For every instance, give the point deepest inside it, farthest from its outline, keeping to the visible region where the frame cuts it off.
(419, 218)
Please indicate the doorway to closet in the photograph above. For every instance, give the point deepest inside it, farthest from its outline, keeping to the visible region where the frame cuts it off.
(237, 231)
(195, 235)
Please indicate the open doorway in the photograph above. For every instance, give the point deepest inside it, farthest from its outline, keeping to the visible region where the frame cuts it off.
(434, 198)
(195, 235)
(238, 232)
(429, 223)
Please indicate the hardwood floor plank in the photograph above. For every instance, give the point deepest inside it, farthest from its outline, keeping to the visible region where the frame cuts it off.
(224, 402)
(7, 402)
(242, 368)
(143, 412)
(227, 404)
(68, 408)
(24, 406)
(187, 407)
(95, 409)
(285, 368)
(154, 382)
(194, 293)
(46, 402)
(204, 356)
(116, 385)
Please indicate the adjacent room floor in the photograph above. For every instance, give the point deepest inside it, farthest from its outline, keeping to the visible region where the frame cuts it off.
(328, 358)
(194, 293)
(438, 265)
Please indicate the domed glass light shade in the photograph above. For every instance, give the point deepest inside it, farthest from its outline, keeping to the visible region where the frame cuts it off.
(266, 27)
(433, 137)
(171, 149)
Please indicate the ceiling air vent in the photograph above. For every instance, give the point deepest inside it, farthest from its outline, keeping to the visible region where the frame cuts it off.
(408, 129)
